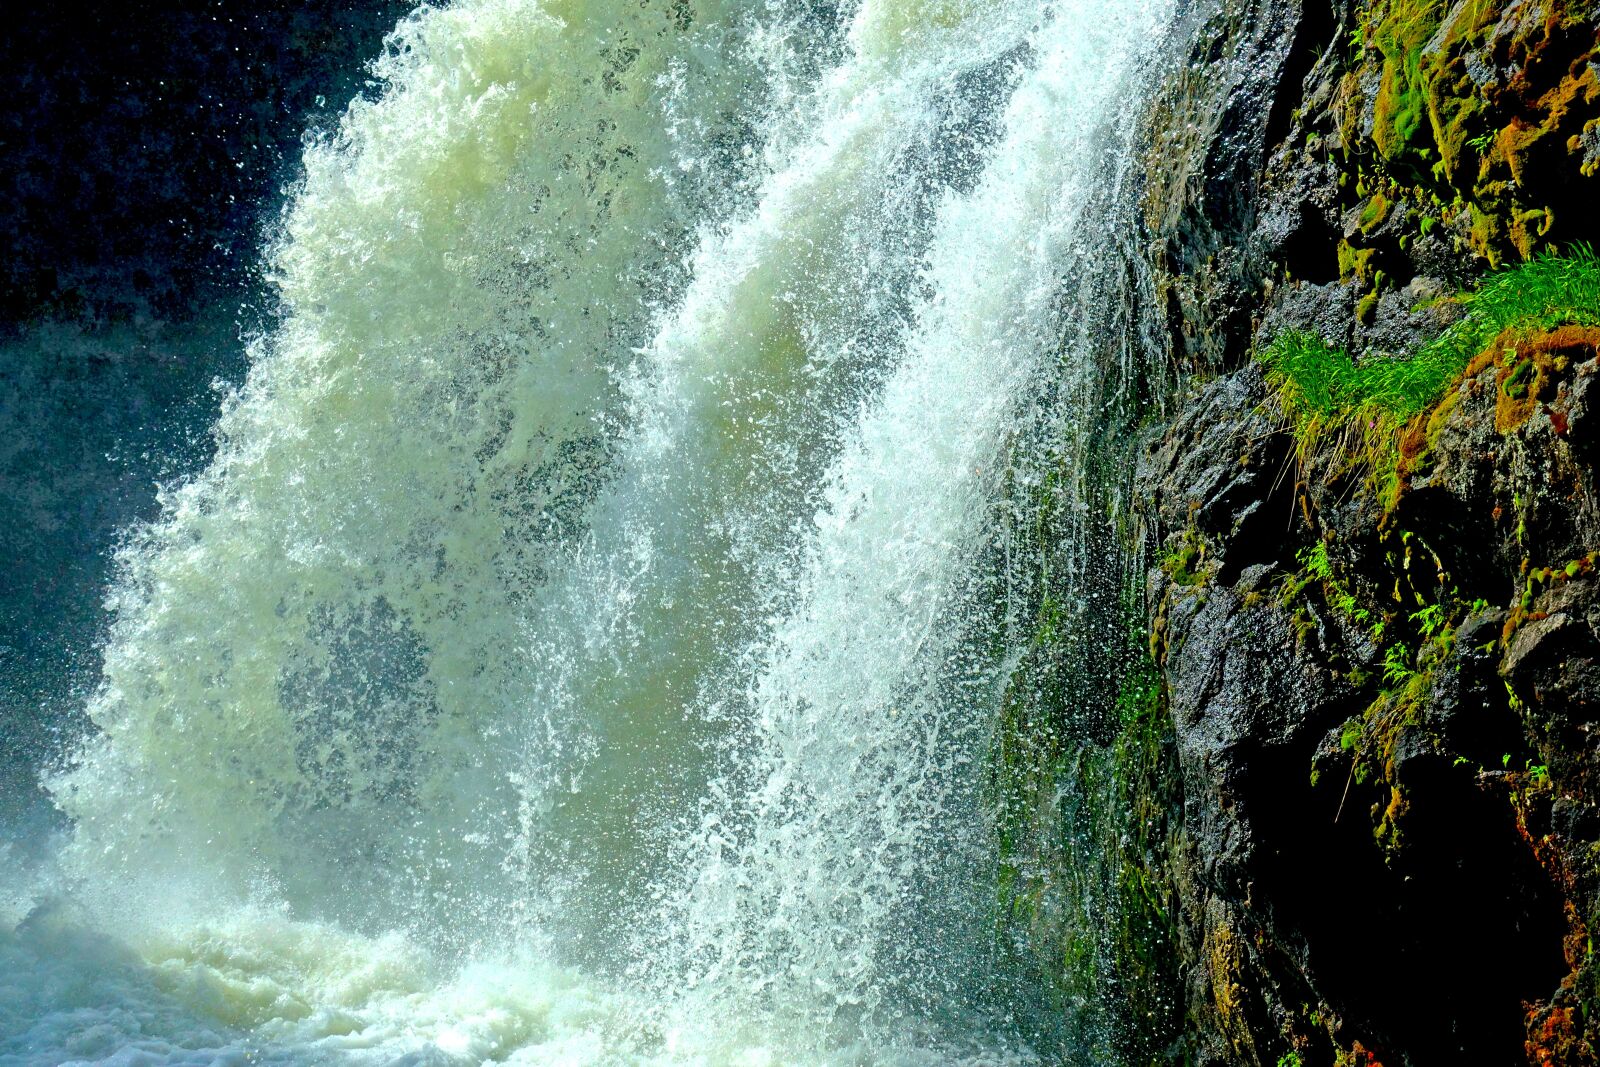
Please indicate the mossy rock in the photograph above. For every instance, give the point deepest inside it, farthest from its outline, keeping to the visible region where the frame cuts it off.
(1401, 130)
(1481, 104)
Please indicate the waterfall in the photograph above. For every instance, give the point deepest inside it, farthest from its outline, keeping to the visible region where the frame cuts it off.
(569, 655)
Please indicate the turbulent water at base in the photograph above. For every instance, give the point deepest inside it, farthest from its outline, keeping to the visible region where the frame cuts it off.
(569, 655)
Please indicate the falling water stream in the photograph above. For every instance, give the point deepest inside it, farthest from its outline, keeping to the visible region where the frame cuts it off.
(566, 657)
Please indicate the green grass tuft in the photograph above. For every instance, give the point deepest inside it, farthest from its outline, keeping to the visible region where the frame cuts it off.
(1543, 293)
(1323, 391)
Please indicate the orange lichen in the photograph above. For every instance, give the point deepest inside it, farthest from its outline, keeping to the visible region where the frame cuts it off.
(1531, 366)
(1359, 1056)
(1555, 1037)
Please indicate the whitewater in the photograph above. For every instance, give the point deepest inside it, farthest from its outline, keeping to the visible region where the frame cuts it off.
(572, 654)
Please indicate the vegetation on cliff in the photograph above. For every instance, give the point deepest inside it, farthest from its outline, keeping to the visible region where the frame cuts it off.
(1377, 408)
(1483, 121)
(1355, 823)
(1372, 596)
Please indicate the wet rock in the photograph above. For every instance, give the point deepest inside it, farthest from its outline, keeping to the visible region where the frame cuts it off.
(1283, 727)
(1329, 311)
(1405, 318)
(1379, 694)
(1381, 701)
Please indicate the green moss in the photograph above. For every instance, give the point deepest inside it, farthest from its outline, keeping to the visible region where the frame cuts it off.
(1185, 564)
(1457, 114)
(1374, 212)
(1401, 129)
(1083, 827)
(1538, 580)
(1355, 262)
(1415, 111)
(1422, 646)
(1316, 570)
(1372, 740)
(1367, 307)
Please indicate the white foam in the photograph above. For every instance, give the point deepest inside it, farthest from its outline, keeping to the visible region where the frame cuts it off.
(555, 664)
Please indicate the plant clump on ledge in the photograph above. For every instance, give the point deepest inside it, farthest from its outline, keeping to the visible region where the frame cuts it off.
(1365, 407)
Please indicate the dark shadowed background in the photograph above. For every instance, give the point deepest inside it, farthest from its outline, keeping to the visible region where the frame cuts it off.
(144, 153)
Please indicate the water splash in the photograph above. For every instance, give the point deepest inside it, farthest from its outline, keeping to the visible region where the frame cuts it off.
(563, 658)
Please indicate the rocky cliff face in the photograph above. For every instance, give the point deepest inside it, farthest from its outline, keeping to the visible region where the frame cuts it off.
(1373, 605)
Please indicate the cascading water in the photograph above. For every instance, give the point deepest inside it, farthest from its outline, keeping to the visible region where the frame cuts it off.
(567, 657)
